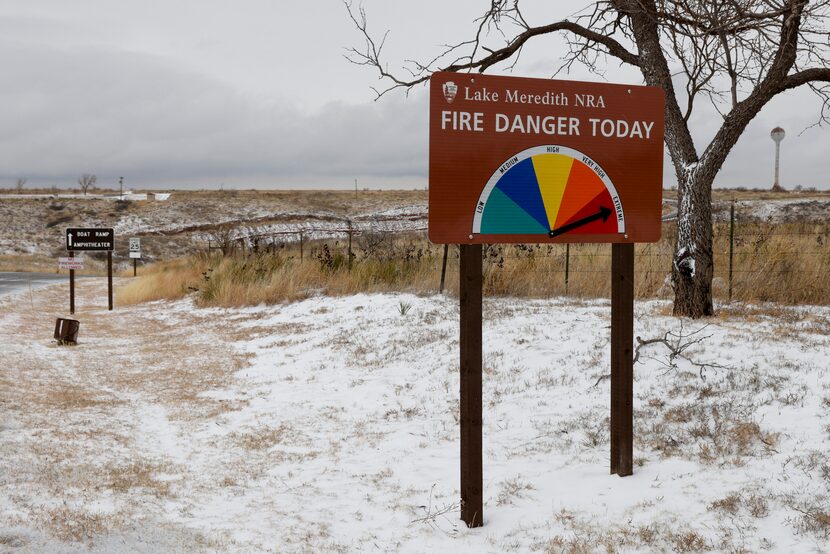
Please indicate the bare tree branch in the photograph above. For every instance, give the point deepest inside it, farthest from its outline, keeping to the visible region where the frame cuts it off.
(738, 54)
(677, 344)
(86, 181)
(371, 54)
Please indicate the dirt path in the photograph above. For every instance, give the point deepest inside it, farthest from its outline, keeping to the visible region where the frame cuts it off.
(123, 397)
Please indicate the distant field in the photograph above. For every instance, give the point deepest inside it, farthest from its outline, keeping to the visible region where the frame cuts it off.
(31, 236)
(33, 226)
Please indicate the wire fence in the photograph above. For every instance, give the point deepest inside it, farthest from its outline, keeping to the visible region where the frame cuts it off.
(752, 260)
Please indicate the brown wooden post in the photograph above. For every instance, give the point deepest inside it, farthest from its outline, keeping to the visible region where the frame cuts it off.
(301, 246)
(109, 278)
(135, 267)
(71, 286)
(622, 362)
(443, 269)
(470, 296)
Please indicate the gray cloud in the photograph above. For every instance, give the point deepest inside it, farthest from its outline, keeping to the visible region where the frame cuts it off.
(120, 113)
(117, 95)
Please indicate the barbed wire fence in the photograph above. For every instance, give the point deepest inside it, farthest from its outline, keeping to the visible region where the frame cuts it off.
(752, 258)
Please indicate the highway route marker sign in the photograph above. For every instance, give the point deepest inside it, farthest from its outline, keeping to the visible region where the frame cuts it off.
(135, 248)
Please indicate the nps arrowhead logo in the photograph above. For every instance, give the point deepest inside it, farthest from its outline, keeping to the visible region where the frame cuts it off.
(450, 90)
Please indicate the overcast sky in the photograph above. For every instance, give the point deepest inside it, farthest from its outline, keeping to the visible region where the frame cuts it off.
(257, 93)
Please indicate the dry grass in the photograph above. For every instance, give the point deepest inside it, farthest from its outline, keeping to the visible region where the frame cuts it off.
(262, 438)
(67, 396)
(784, 264)
(45, 264)
(137, 475)
(166, 281)
(32, 264)
(733, 503)
(713, 433)
(75, 525)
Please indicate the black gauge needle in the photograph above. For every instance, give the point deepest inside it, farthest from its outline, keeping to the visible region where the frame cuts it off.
(602, 214)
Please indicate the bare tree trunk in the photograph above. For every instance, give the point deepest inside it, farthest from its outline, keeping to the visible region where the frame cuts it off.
(692, 267)
(692, 264)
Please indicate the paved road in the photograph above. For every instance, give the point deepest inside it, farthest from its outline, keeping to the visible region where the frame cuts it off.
(19, 282)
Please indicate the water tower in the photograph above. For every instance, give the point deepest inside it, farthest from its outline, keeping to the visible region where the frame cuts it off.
(777, 135)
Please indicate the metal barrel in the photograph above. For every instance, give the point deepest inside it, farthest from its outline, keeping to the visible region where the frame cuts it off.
(66, 330)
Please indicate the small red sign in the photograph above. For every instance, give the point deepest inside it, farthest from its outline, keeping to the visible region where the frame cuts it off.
(70, 263)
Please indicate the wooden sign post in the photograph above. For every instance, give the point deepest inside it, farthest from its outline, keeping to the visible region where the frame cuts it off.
(514, 160)
(109, 280)
(71, 287)
(71, 263)
(472, 476)
(622, 361)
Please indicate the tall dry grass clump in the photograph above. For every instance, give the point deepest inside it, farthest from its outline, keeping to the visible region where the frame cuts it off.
(788, 263)
(167, 280)
(783, 263)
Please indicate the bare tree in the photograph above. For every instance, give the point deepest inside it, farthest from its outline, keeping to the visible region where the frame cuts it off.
(21, 182)
(87, 181)
(225, 237)
(733, 54)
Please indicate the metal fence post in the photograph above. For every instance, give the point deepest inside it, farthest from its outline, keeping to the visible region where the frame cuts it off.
(567, 265)
(731, 244)
(350, 245)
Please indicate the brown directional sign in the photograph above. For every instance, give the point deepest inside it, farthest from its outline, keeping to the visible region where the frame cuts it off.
(89, 239)
(516, 160)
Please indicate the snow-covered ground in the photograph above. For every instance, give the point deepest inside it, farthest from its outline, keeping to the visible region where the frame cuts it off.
(332, 425)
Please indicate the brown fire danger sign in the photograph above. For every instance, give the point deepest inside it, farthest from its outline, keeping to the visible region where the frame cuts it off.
(515, 160)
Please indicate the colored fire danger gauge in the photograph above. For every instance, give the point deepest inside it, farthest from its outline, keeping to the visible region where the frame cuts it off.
(552, 191)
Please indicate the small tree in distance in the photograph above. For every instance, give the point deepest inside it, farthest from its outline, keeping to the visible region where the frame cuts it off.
(21, 182)
(735, 55)
(87, 181)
